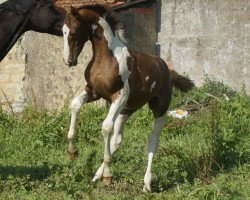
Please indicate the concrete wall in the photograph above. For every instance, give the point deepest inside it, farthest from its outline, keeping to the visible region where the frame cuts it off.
(12, 68)
(207, 37)
(140, 23)
(12, 73)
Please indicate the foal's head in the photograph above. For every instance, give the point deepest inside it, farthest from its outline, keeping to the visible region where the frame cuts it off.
(76, 32)
(89, 23)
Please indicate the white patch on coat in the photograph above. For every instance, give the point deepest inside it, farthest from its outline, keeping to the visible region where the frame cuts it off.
(138, 69)
(147, 78)
(119, 50)
(94, 27)
(152, 86)
(66, 43)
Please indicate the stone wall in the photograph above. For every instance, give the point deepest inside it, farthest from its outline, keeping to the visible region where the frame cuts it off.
(207, 37)
(12, 73)
(140, 23)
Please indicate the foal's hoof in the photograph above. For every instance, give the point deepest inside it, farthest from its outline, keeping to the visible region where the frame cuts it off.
(107, 180)
(146, 189)
(73, 155)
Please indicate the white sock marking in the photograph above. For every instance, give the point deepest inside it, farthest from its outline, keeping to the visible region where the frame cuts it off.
(115, 109)
(115, 141)
(153, 143)
(75, 106)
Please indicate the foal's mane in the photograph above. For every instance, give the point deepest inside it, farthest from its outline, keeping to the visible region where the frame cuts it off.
(105, 11)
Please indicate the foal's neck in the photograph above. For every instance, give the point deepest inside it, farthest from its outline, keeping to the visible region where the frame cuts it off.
(108, 42)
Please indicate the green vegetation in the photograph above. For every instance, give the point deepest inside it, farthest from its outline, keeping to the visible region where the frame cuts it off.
(205, 156)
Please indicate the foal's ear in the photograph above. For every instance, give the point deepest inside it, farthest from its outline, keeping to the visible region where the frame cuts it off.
(75, 12)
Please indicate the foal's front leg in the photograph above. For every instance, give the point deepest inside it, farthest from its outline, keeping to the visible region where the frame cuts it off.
(75, 106)
(107, 126)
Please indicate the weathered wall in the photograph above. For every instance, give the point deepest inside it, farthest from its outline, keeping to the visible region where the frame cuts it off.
(12, 72)
(12, 96)
(207, 37)
(140, 23)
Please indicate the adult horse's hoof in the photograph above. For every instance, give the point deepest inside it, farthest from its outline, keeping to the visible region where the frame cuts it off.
(107, 180)
(73, 155)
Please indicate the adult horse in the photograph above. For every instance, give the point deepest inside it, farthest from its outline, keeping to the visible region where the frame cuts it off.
(124, 77)
(19, 16)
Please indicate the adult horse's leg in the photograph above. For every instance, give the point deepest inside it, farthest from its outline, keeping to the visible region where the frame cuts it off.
(75, 106)
(107, 126)
(153, 143)
(115, 142)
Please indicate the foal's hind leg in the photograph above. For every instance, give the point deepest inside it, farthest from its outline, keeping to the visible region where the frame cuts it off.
(115, 141)
(153, 143)
(75, 106)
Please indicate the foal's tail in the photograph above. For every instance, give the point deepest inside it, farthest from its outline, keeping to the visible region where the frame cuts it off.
(180, 82)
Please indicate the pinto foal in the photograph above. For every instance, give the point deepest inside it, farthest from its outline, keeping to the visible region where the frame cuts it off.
(122, 76)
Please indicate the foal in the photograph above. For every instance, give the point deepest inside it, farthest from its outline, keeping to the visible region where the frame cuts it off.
(122, 76)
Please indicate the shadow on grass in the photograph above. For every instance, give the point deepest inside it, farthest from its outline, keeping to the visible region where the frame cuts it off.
(34, 172)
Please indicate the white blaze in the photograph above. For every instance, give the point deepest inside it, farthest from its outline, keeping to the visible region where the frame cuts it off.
(66, 43)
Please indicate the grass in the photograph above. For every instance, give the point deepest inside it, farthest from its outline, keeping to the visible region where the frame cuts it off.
(205, 156)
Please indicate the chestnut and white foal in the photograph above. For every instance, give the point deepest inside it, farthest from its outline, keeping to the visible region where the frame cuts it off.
(124, 77)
